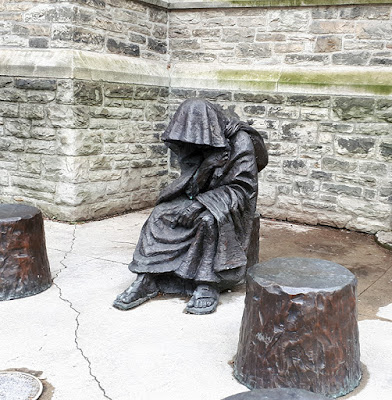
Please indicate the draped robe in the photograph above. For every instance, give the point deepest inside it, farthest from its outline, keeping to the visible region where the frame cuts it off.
(215, 248)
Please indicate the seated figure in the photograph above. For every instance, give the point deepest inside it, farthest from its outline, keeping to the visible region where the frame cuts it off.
(196, 239)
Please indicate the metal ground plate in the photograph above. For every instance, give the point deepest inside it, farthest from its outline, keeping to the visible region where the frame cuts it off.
(19, 386)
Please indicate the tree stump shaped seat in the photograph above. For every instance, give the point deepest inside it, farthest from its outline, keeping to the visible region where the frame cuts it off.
(24, 265)
(277, 394)
(299, 327)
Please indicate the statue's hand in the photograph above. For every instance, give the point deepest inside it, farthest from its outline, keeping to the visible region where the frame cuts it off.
(187, 216)
(216, 159)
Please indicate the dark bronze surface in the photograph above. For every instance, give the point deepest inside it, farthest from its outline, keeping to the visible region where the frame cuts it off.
(198, 239)
(24, 265)
(299, 327)
(277, 394)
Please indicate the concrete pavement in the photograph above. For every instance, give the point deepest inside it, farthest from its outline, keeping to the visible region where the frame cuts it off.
(84, 349)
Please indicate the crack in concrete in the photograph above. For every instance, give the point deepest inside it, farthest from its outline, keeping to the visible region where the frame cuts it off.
(71, 306)
(381, 276)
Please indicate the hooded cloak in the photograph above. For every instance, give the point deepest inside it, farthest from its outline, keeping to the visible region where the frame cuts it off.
(214, 249)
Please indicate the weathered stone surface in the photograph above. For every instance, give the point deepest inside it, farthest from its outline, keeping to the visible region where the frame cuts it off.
(88, 93)
(119, 47)
(297, 167)
(347, 108)
(327, 44)
(342, 189)
(355, 146)
(157, 45)
(39, 43)
(384, 239)
(386, 150)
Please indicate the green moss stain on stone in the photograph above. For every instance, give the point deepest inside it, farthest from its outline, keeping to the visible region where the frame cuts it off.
(297, 3)
(371, 82)
(250, 79)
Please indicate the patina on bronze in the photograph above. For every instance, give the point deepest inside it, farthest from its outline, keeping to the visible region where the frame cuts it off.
(299, 327)
(277, 394)
(24, 265)
(196, 241)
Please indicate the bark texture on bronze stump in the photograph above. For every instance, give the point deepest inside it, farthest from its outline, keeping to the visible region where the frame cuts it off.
(299, 327)
(277, 394)
(24, 265)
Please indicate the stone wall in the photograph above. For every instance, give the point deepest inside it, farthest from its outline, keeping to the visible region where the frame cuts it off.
(86, 89)
(358, 35)
(81, 149)
(330, 156)
(111, 26)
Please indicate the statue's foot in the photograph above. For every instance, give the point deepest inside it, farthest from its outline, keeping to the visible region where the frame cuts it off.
(204, 300)
(144, 288)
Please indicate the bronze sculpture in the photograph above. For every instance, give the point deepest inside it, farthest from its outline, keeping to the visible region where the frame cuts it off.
(196, 239)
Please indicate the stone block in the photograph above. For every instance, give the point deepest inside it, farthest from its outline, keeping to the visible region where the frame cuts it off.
(332, 27)
(336, 127)
(19, 128)
(302, 132)
(40, 146)
(306, 59)
(254, 110)
(119, 47)
(40, 96)
(42, 133)
(253, 50)
(88, 93)
(215, 95)
(49, 13)
(314, 114)
(383, 109)
(64, 94)
(5, 81)
(79, 142)
(386, 150)
(321, 12)
(146, 92)
(375, 169)
(33, 184)
(39, 43)
(238, 35)
(308, 100)
(336, 165)
(296, 167)
(357, 146)
(352, 191)
(157, 15)
(294, 20)
(99, 4)
(351, 58)
(321, 175)
(259, 98)
(30, 163)
(13, 95)
(328, 44)
(160, 31)
(32, 111)
(89, 39)
(373, 30)
(155, 112)
(61, 33)
(158, 46)
(9, 110)
(288, 47)
(347, 108)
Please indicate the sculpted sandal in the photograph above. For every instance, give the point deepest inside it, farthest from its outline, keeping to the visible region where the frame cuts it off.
(204, 300)
(144, 288)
